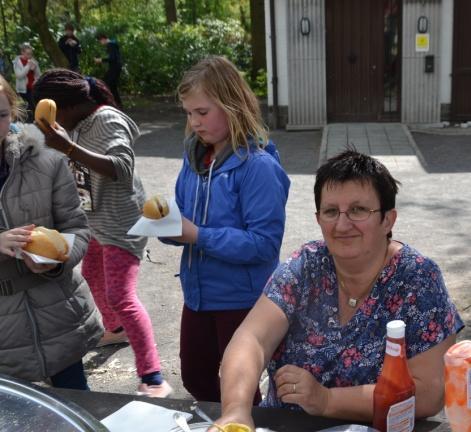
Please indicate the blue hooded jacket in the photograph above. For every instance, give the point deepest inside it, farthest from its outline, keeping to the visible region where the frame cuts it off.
(239, 208)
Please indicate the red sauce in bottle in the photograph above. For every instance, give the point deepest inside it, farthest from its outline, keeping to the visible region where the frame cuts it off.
(394, 394)
(458, 386)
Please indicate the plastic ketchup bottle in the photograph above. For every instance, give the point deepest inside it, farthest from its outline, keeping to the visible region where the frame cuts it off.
(394, 394)
(458, 386)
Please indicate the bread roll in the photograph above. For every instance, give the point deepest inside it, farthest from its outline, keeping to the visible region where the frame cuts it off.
(156, 207)
(45, 109)
(48, 243)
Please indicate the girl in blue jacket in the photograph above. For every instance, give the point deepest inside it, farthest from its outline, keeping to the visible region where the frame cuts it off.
(232, 193)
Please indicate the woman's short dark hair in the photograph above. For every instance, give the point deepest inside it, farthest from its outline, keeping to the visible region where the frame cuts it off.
(351, 165)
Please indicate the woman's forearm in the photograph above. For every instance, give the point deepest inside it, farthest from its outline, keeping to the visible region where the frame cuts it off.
(429, 395)
(101, 164)
(351, 403)
(241, 369)
(356, 403)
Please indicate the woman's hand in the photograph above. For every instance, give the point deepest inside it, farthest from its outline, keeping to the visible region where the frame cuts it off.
(189, 232)
(37, 268)
(56, 137)
(14, 239)
(297, 386)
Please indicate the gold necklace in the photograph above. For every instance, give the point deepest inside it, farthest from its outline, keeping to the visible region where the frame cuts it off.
(352, 301)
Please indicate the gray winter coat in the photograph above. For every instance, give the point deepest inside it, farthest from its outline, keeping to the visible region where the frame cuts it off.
(47, 321)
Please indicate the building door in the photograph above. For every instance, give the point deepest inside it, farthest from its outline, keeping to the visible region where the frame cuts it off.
(363, 60)
(461, 82)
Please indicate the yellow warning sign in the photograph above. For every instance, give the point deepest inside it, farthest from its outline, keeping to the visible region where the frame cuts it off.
(422, 42)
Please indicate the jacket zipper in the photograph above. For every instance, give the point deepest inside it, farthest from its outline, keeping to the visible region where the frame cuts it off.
(2, 206)
(2, 209)
(204, 185)
(35, 339)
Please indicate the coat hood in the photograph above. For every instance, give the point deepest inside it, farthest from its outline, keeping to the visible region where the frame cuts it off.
(28, 140)
(195, 152)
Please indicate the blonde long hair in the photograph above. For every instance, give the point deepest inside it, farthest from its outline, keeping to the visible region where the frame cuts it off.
(220, 80)
(16, 112)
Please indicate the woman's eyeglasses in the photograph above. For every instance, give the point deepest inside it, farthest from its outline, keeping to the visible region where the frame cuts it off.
(355, 214)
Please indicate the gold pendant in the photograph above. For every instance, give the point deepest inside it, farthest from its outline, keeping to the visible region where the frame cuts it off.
(352, 302)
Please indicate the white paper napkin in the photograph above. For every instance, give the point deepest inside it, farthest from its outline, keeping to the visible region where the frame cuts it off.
(137, 416)
(38, 259)
(168, 226)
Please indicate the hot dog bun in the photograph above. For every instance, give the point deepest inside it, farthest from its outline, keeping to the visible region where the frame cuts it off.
(45, 109)
(156, 207)
(48, 243)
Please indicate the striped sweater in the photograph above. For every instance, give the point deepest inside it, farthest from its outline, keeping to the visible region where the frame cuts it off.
(113, 206)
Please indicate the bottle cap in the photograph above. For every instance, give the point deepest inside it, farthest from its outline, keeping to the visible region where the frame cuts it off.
(396, 329)
(459, 353)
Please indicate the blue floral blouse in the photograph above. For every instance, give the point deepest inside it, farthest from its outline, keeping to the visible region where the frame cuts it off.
(410, 288)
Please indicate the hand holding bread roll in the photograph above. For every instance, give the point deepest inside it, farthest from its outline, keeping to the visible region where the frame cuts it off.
(45, 109)
(48, 243)
(156, 207)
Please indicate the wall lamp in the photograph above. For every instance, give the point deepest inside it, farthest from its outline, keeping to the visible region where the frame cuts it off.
(305, 26)
(422, 24)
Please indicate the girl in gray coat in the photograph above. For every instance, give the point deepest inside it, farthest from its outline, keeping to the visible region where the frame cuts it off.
(48, 319)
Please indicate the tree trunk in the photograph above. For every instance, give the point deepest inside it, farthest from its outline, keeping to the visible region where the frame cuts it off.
(4, 23)
(77, 14)
(34, 14)
(170, 11)
(257, 25)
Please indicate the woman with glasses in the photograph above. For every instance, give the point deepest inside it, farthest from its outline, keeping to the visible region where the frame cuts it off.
(320, 325)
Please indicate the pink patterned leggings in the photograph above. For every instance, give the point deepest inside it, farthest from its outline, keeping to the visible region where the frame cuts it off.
(111, 273)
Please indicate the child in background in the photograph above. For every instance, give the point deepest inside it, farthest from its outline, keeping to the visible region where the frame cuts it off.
(102, 157)
(232, 193)
(48, 320)
(26, 72)
(70, 46)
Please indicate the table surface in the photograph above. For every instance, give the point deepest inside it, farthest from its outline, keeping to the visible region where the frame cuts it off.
(100, 405)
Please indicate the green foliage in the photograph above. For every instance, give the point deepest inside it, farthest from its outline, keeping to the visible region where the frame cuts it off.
(156, 59)
(190, 10)
(259, 86)
(155, 55)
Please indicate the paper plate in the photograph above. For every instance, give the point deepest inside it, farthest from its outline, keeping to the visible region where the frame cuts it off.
(168, 226)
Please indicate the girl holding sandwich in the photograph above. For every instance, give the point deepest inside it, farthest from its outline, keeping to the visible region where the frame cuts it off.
(48, 320)
(232, 193)
(100, 152)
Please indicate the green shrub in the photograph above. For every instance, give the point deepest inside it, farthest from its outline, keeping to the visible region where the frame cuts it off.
(155, 55)
(154, 61)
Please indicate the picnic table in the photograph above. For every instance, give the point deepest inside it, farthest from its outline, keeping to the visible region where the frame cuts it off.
(100, 405)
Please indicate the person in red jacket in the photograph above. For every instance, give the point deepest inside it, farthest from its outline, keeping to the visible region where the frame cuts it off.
(27, 73)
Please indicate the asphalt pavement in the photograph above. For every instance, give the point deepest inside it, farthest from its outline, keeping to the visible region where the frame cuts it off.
(433, 205)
